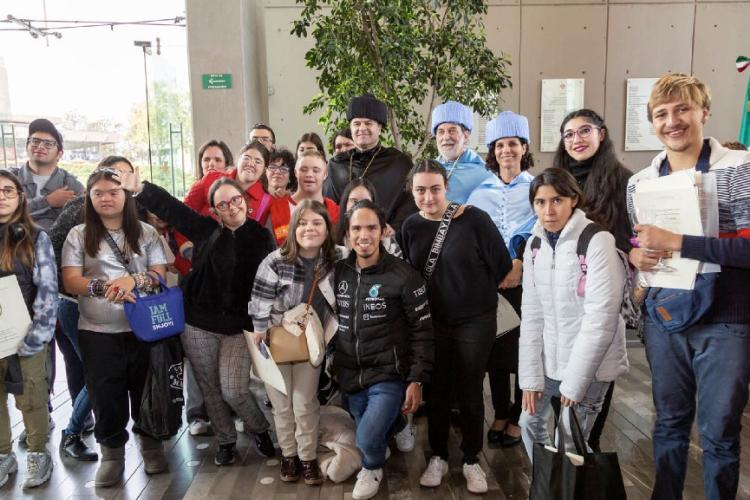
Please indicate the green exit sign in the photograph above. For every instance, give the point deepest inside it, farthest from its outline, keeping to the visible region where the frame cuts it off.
(217, 81)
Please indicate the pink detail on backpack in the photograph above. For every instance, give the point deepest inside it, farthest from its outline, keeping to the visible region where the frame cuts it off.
(582, 281)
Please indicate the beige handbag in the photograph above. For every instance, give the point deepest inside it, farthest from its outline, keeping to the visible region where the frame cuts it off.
(288, 343)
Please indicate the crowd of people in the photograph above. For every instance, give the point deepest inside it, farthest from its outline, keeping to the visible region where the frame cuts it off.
(394, 270)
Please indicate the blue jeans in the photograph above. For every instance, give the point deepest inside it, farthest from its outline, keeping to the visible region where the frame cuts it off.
(67, 315)
(712, 361)
(375, 410)
(534, 427)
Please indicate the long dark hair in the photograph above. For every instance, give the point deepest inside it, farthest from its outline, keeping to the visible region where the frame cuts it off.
(95, 230)
(426, 166)
(561, 181)
(342, 225)
(604, 189)
(19, 244)
(290, 248)
(316, 140)
(527, 160)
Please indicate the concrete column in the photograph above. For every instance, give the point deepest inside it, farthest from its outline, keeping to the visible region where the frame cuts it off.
(225, 36)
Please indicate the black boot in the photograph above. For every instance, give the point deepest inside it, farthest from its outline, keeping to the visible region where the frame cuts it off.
(74, 447)
(265, 445)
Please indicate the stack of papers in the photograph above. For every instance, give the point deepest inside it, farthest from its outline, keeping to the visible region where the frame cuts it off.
(684, 203)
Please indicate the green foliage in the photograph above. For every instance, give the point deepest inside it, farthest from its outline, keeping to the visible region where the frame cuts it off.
(408, 53)
(166, 107)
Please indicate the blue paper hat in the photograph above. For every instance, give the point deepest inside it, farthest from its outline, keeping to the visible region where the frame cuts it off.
(507, 124)
(452, 112)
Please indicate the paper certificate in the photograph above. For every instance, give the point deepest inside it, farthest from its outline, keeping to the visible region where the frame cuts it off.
(264, 365)
(672, 203)
(14, 317)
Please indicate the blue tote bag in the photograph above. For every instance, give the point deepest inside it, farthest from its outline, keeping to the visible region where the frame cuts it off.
(158, 316)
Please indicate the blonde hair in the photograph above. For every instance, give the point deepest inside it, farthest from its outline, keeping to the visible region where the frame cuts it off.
(313, 153)
(679, 85)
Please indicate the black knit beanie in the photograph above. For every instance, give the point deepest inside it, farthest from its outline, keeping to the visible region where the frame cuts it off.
(366, 106)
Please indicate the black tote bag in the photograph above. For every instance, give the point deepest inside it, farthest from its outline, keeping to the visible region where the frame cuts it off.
(161, 404)
(556, 477)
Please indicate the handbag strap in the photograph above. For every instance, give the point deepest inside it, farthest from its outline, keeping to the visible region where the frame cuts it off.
(316, 278)
(437, 242)
(118, 253)
(575, 431)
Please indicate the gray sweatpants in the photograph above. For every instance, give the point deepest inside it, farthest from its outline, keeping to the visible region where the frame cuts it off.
(221, 364)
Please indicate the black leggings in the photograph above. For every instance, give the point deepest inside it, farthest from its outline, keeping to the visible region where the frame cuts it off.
(504, 362)
(461, 363)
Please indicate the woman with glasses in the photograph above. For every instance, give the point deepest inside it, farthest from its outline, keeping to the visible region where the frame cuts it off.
(504, 197)
(103, 261)
(228, 250)
(301, 271)
(251, 167)
(280, 173)
(72, 444)
(26, 253)
(586, 151)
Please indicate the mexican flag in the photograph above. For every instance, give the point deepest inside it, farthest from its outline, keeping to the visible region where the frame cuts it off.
(744, 137)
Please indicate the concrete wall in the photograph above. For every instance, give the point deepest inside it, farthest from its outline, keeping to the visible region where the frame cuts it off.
(605, 42)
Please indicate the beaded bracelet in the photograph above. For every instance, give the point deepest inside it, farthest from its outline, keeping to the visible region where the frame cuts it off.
(97, 287)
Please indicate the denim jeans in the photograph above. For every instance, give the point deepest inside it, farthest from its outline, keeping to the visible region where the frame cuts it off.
(67, 314)
(710, 360)
(534, 427)
(375, 410)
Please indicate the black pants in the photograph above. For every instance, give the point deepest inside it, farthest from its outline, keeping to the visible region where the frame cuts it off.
(504, 362)
(115, 367)
(461, 354)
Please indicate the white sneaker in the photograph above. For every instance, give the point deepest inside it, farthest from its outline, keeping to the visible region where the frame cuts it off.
(198, 427)
(434, 473)
(368, 484)
(239, 425)
(476, 480)
(405, 439)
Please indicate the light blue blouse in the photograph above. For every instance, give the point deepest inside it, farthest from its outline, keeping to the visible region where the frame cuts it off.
(508, 206)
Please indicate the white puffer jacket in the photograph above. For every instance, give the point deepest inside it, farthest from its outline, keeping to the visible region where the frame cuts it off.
(577, 340)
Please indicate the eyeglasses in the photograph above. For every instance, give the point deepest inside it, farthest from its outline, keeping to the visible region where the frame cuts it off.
(223, 206)
(10, 192)
(279, 168)
(45, 143)
(582, 132)
(257, 161)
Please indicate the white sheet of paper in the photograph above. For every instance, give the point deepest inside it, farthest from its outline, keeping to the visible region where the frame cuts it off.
(671, 203)
(264, 365)
(709, 198)
(14, 317)
(507, 318)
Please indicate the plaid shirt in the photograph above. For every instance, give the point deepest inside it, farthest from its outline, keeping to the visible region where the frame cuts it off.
(279, 286)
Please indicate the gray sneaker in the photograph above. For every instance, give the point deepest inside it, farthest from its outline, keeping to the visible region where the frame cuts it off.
(38, 469)
(8, 466)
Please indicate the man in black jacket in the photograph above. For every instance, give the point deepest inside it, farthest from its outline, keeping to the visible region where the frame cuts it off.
(384, 345)
(387, 168)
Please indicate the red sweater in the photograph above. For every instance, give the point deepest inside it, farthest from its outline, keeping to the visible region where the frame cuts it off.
(281, 215)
